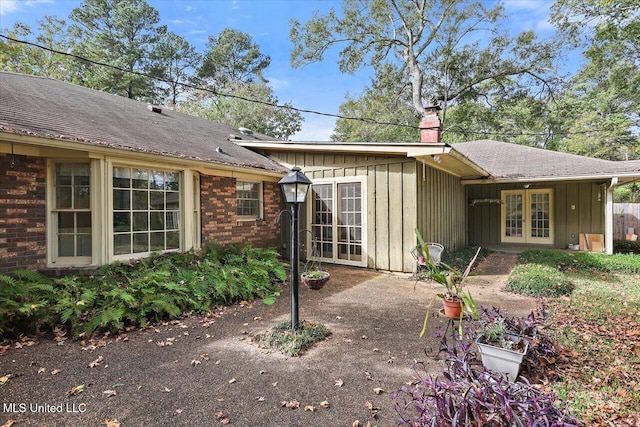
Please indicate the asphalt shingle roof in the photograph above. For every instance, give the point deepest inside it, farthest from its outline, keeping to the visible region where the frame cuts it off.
(54, 109)
(512, 161)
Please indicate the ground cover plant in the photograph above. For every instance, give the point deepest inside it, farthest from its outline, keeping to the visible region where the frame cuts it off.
(293, 343)
(123, 295)
(598, 327)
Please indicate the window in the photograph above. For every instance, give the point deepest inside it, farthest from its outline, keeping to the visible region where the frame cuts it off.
(337, 221)
(249, 199)
(146, 210)
(527, 216)
(72, 212)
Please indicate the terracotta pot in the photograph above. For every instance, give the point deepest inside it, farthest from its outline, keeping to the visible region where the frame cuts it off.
(452, 308)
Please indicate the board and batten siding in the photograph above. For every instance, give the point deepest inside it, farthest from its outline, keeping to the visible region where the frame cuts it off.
(578, 208)
(391, 200)
(441, 208)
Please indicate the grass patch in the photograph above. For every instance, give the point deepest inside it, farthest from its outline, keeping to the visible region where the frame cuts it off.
(460, 258)
(585, 263)
(538, 280)
(281, 338)
(599, 328)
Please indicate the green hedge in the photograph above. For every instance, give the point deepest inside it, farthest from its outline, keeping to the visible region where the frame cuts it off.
(160, 287)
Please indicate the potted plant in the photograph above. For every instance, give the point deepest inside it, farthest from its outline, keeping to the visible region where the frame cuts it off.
(315, 278)
(501, 349)
(454, 299)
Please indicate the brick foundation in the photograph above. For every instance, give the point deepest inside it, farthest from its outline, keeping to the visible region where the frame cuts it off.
(22, 212)
(218, 214)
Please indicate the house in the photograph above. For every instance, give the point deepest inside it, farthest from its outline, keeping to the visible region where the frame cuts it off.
(368, 198)
(88, 178)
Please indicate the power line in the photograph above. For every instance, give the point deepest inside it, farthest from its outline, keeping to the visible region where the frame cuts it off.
(275, 105)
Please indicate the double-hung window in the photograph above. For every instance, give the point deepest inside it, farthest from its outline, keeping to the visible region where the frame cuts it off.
(71, 213)
(249, 200)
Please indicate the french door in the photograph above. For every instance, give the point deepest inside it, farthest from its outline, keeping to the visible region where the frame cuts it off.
(527, 216)
(337, 221)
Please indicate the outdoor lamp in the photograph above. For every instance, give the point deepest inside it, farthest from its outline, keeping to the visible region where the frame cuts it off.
(294, 188)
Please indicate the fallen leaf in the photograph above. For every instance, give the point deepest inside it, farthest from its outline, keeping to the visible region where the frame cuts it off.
(232, 380)
(166, 390)
(368, 375)
(356, 423)
(378, 390)
(96, 362)
(9, 423)
(309, 408)
(4, 379)
(260, 399)
(291, 404)
(41, 370)
(339, 383)
(275, 384)
(195, 362)
(109, 393)
(55, 372)
(178, 411)
(76, 390)
(324, 404)
(111, 423)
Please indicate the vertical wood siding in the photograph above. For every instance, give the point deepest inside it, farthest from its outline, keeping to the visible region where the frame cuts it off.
(391, 200)
(441, 207)
(587, 217)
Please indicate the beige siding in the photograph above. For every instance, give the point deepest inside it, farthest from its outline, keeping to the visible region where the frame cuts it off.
(441, 208)
(391, 200)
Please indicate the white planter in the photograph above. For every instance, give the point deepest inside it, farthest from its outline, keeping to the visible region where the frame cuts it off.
(500, 360)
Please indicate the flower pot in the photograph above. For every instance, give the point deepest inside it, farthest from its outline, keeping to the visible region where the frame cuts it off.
(452, 309)
(315, 282)
(501, 360)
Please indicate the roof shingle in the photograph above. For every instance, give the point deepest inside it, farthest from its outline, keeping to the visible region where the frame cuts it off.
(54, 109)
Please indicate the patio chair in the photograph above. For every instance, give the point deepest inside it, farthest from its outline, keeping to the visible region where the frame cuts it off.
(435, 253)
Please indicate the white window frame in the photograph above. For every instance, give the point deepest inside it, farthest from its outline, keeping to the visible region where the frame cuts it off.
(526, 237)
(53, 260)
(334, 182)
(260, 214)
(110, 228)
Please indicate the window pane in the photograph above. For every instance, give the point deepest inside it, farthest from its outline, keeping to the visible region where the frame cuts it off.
(81, 197)
(140, 178)
(172, 181)
(121, 244)
(157, 241)
(66, 222)
(157, 221)
(63, 197)
(121, 200)
(65, 245)
(140, 242)
(83, 222)
(172, 220)
(140, 200)
(83, 244)
(173, 240)
(156, 200)
(121, 221)
(121, 177)
(140, 221)
(173, 200)
(156, 180)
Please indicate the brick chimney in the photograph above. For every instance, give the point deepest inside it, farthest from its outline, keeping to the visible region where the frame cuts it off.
(430, 125)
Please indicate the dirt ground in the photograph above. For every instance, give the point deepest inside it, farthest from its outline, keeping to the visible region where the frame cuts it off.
(207, 371)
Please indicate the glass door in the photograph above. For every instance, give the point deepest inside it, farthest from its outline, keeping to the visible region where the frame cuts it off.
(527, 216)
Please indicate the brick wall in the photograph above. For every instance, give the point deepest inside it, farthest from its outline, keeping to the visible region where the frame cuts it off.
(218, 214)
(22, 212)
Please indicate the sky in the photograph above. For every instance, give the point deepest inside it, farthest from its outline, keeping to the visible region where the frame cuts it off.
(319, 86)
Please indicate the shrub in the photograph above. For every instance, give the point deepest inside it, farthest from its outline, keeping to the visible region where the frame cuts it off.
(160, 287)
(626, 247)
(466, 394)
(538, 280)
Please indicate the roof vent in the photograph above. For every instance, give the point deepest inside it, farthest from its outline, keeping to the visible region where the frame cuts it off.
(232, 137)
(154, 108)
(219, 150)
(245, 131)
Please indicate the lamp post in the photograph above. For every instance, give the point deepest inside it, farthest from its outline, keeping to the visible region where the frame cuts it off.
(294, 189)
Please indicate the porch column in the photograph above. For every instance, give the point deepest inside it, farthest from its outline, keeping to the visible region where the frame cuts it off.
(608, 217)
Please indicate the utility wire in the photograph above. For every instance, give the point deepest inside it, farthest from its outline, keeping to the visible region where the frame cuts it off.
(274, 105)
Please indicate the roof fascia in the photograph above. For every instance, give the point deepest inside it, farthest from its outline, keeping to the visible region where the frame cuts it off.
(8, 140)
(409, 150)
(622, 178)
